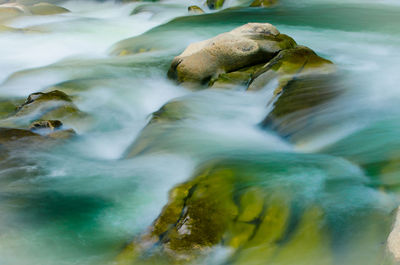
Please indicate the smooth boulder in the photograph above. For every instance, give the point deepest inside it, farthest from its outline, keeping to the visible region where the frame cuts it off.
(244, 46)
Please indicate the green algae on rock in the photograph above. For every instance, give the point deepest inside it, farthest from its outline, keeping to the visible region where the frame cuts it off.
(195, 10)
(305, 81)
(54, 105)
(242, 204)
(235, 79)
(215, 4)
(159, 126)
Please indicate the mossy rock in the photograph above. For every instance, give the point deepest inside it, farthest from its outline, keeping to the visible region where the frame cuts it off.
(195, 10)
(269, 212)
(9, 106)
(159, 126)
(236, 79)
(264, 3)
(215, 4)
(53, 105)
(305, 81)
(9, 135)
(44, 9)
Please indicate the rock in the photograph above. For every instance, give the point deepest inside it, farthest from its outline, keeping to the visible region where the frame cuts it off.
(62, 134)
(11, 10)
(305, 81)
(54, 105)
(8, 107)
(296, 62)
(393, 241)
(245, 206)
(9, 135)
(160, 125)
(247, 45)
(195, 10)
(236, 79)
(50, 125)
(263, 3)
(43, 9)
(215, 4)
(52, 128)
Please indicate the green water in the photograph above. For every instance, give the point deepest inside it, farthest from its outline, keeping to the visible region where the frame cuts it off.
(83, 201)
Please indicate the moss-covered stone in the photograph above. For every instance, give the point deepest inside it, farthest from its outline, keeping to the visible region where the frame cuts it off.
(239, 78)
(215, 4)
(8, 106)
(160, 124)
(305, 81)
(54, 105)
(9, 135)
(263, 213)
(195, 10)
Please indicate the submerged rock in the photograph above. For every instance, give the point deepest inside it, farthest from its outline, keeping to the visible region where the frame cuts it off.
(265, 212)
(47, 9)
(54, 105)
(264, 3)
(247, 45)
(160, 125)
(215, 4)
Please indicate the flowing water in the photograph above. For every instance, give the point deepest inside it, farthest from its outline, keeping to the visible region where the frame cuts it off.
(81, 202)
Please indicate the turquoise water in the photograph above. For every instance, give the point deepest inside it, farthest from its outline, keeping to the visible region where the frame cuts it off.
(81, 202)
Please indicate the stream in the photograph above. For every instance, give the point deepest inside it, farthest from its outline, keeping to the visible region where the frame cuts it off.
(83, 201)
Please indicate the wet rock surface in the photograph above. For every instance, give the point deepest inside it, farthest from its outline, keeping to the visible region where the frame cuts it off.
(247, 45)
(240, 205)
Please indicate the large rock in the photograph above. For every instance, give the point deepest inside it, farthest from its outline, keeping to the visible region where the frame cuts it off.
(247, 45)
(266, 211)
(305, 81)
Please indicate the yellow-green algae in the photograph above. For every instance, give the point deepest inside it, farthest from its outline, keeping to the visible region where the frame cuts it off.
(266, 212)
(305, 81)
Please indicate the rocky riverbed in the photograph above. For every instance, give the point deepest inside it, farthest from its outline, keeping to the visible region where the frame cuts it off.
(199, 132)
